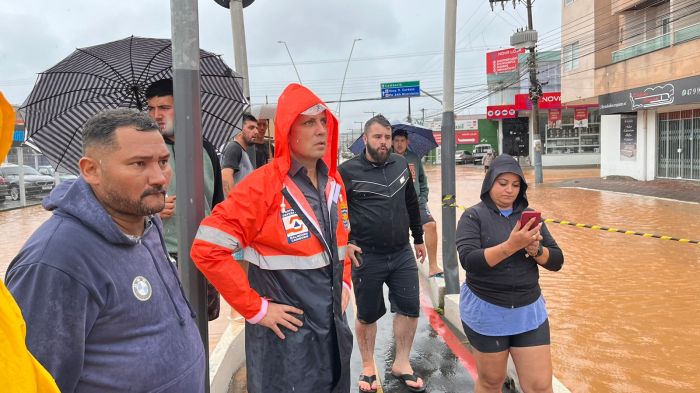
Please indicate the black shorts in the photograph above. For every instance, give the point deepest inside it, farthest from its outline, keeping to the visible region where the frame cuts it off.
(425, 216)
(400, 273)
(492, 344)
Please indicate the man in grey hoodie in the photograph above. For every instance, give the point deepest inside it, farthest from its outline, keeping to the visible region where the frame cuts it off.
(104, 308)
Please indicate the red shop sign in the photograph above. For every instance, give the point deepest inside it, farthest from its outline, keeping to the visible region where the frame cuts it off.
(550, 101)
(501, 112)
(467, 137)
(438, 137)
(554, 115)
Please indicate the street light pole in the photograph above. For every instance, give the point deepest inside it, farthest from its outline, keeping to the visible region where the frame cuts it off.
(239, 47)
(449, 219)
(347, 65)
(290, 58)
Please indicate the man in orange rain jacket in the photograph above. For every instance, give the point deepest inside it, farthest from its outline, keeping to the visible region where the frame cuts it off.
(290, 219)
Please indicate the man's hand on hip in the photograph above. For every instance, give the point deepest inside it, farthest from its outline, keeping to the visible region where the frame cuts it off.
(420, 252)
(281, 314)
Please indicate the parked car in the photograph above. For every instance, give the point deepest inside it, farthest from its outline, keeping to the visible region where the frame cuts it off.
(480, 151)
(34, 182)
(4, 189)
(463, 157)
(49, 171)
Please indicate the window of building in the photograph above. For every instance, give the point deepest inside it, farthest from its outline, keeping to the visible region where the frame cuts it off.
(571, 56)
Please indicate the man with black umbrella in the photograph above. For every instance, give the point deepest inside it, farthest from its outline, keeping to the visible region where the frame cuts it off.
(161, 108)
(420, 182)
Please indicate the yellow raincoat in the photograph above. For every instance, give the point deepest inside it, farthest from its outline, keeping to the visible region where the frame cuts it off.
(19, 371)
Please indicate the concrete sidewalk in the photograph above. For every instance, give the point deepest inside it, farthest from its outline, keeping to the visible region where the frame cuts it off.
(681, 190)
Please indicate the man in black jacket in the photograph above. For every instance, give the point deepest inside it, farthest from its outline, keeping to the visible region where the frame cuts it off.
(382, 206)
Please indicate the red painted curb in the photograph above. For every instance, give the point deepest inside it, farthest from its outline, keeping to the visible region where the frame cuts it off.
(465, 357)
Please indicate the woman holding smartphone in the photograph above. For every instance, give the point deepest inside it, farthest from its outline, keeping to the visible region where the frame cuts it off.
(501, 304)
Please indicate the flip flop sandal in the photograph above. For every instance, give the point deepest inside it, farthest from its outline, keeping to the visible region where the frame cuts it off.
(438, 275)
(370, 380)
(410, 377)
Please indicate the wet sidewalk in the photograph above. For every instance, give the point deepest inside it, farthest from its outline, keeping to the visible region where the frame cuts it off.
(681, 190)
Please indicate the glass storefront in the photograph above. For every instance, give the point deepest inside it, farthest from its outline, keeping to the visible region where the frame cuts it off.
(678, 145)
(564, 137)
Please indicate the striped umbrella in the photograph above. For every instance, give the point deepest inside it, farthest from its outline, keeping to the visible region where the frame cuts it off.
(116, 74)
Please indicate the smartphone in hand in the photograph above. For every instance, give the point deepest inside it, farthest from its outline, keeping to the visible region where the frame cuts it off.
(528, 215)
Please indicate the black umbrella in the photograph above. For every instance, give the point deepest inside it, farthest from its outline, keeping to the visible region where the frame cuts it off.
(113, 75)
(420, 139)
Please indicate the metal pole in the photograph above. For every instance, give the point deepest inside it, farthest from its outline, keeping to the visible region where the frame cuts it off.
(534, 97)
(290, 58)
(239, 47)
(20, 166)
(188, 154)
(449, 219)
(347, 65)
(409, 111)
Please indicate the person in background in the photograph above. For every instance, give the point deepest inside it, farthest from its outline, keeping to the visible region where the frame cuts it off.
(235, 163)
(400, 143)
(488, 159)
(263, 149)
(161, 108)
(501, 304)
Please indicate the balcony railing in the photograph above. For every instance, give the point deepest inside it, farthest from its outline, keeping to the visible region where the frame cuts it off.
(687, 33)
(660, 42)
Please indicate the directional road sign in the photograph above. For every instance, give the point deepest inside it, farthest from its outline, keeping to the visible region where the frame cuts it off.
(400, 89)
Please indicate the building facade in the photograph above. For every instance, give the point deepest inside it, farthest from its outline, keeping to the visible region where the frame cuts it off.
(639, 60)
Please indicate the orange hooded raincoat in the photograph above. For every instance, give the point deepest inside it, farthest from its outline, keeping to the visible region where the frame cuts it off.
(291, 263)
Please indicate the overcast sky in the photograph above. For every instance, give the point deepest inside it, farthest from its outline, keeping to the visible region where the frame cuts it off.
(402, 40)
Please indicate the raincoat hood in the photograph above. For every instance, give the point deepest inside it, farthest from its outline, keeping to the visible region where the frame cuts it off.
(294, 100)
(504, 164)
(76, 199)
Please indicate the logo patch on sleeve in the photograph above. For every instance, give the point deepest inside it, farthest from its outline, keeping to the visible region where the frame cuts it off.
(294, 227)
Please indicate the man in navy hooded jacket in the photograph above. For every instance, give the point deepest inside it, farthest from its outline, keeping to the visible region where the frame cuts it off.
(104, 308)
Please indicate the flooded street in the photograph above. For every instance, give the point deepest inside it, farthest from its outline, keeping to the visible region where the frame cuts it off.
(623, 310)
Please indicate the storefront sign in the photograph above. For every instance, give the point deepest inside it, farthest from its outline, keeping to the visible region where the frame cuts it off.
(550, 101)
(502, 61)
(465, 125)
(554, 118)
(522, 102)
(461, 137)
(678, 92)
(467, 137)
(581, 117)
(628, 137)
(501, 112)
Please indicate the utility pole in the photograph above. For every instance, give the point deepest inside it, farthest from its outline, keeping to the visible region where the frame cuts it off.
(528, 39)
(239, 48)
(188, 150)
(449, 219)
(422, 121)
(409, 111)
(372, 112)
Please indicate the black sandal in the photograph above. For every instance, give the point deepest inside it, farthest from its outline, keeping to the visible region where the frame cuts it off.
(370, 380)
(410, 377)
